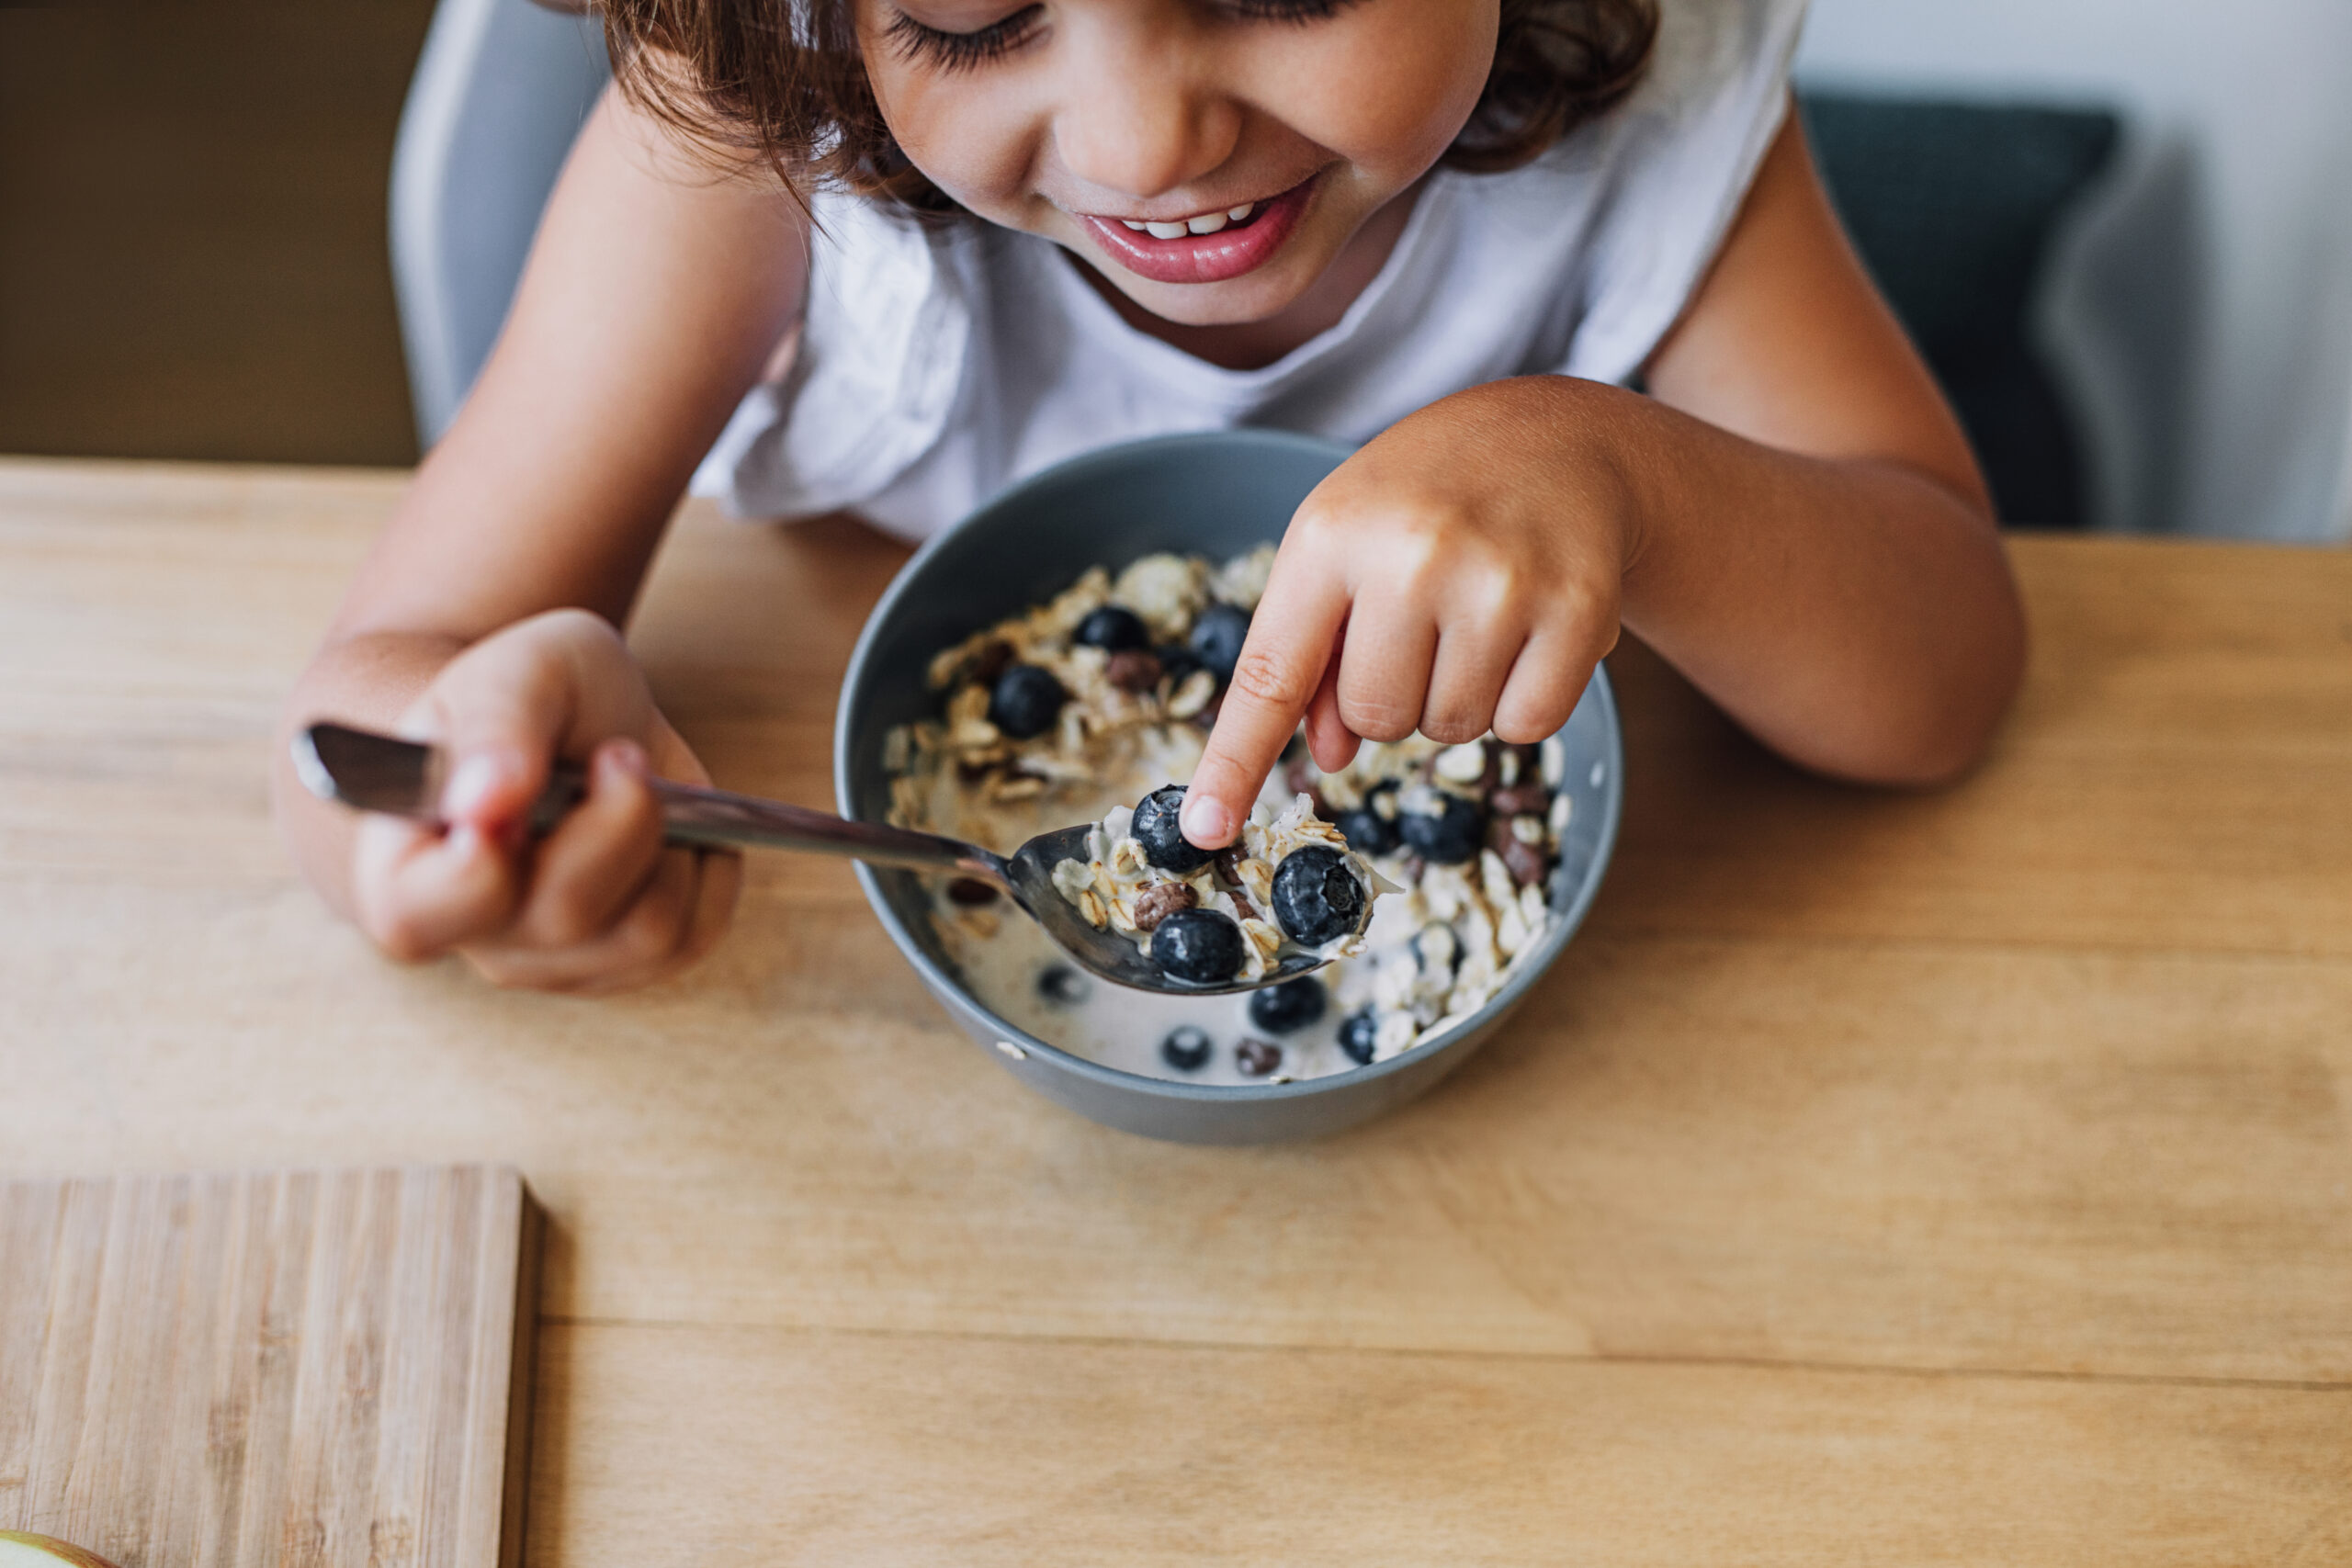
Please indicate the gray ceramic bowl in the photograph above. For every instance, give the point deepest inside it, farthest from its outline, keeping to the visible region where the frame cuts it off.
(1216, 495)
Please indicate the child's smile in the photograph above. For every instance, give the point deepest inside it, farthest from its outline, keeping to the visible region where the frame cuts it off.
(1202, 247)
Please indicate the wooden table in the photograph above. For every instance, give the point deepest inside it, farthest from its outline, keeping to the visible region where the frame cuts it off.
(1961, 1177)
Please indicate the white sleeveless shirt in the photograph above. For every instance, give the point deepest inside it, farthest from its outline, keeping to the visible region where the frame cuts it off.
(937, 365)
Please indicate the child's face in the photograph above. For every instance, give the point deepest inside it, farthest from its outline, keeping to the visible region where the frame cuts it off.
(1074, 118)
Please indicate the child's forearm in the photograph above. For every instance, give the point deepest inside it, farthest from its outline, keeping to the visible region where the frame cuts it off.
(1858, 616)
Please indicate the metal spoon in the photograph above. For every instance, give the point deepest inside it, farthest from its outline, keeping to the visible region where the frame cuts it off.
(377, 773)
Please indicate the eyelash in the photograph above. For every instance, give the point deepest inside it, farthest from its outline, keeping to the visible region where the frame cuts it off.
(952, 53)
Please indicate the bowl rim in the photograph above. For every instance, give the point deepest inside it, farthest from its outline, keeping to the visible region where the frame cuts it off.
(1565, 925)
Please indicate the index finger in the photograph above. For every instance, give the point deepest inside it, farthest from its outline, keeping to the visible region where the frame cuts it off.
(1298, 620)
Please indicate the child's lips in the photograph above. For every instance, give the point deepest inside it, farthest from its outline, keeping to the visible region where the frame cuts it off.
(1205, 259)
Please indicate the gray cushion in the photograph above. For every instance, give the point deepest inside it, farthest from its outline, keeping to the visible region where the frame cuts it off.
(1953, 206)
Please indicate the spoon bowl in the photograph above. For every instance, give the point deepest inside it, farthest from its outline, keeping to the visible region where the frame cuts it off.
(379, 773)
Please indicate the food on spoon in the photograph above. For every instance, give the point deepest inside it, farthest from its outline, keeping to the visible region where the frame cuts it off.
(1200, 947)
(1154, 825)
(1284, 889)
(1319, 897)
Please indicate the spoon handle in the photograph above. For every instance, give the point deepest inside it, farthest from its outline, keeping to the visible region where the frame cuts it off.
(378, 773)
(715, 817)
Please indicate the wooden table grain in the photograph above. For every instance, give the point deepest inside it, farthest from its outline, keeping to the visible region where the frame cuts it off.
(285, 1368)
(1948, 1178)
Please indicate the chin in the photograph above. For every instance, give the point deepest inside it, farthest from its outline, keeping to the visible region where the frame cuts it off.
(1236, 302)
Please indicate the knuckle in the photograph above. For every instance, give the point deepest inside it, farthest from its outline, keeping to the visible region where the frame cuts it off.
(1499, 595)
(1376, 719)
(1263, 677)
(1310, 525)
(1417, 558)
(1453, 728)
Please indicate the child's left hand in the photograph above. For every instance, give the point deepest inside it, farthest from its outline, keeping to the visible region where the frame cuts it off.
(1461, 573)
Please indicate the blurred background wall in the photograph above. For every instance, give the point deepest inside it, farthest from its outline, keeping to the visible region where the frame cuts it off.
(192, 235)
(2232, 202)
(193, 238)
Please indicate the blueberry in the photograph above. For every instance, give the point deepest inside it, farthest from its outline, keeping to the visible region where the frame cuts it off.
(1111, 629)
(1359, 1035)
(1186, 1049)
(1291, 1005)
(1217, 635)
(1202, 947)
(1061, 984)
(1317, 896)
(1026, 701)
(1368, 832)
(1164, 844)
(1446, 832)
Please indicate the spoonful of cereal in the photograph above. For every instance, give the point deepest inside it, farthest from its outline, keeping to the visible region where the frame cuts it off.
(1285, 898)
(1219, 948)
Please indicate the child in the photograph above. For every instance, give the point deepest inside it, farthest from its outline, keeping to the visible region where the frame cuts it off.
(991, 234)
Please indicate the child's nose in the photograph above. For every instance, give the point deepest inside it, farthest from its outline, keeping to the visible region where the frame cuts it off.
(1145, 131)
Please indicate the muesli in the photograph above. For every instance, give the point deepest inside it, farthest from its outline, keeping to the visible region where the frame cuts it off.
(1085, 707)
(1288, 885)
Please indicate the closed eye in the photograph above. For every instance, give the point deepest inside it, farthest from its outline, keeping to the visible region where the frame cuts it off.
(954, 52)
(950, 52)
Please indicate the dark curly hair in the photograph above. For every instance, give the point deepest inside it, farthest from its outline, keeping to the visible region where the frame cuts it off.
(751, 76)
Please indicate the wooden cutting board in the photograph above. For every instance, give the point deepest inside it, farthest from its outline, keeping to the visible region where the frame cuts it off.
(279, 1368)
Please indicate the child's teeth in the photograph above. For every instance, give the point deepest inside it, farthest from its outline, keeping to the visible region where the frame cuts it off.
(1206, 223)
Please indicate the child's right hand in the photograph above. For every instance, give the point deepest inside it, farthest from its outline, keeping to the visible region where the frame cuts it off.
(600, 904)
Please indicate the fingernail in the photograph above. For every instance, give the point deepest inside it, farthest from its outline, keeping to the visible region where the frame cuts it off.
(471, 784)
(1206, 821)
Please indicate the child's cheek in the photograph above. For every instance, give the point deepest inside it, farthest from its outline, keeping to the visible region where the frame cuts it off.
(1391, 95)
(977, 145)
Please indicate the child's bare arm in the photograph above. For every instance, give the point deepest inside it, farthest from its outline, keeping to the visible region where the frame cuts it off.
(1794, 520)
(1841, 525)
(656, 289)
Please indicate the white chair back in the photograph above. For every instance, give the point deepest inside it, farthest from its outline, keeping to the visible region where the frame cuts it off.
(500, 92)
